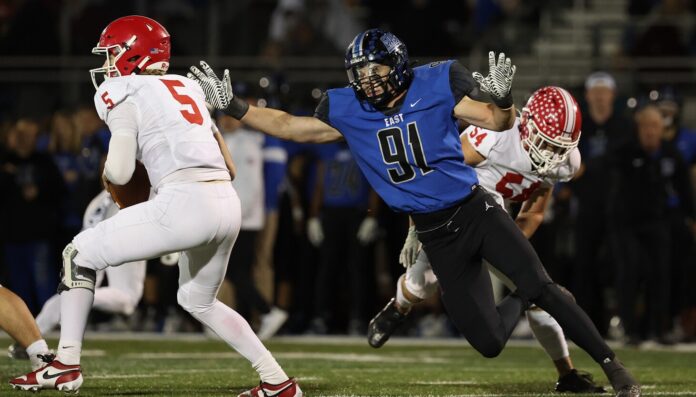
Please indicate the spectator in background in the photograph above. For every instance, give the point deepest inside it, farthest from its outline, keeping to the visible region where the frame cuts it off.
(276, 287)
(29, 209)
(292, 32)
(246, 147)
(342, 223)
(644, 175)
(683, 299)
(65, 146)
(662, 35)
(95, 143)
(332, 22)
(448, 32)
(604, 128)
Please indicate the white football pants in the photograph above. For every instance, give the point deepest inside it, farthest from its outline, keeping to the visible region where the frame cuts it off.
(199, 219)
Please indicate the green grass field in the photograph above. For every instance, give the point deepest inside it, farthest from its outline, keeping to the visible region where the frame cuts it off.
(346, 367)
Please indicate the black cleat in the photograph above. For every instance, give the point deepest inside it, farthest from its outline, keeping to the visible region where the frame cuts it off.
(621, 380)
(629, 391)
(578, 382)
(17, 352)
(383, 325)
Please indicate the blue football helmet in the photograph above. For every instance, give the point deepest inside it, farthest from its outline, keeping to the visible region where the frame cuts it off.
(371, 47)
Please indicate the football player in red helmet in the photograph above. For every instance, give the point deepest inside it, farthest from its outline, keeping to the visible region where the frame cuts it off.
(161, 120)
(132, 44)
(550, 127)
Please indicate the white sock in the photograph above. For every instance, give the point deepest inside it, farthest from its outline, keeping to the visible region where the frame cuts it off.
(75, 305)
(236, 332)
(69, 351)
(549, 333)
(49, 317)
(401, 299)
(33, 350)
(269, 370)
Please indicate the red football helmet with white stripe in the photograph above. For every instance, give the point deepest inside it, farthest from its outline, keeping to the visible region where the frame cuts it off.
(132, 44)
(550, 127)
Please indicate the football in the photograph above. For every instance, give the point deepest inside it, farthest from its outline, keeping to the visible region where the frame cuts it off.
(135, 191)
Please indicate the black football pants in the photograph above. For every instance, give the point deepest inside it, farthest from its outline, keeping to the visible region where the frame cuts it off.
(458, 238)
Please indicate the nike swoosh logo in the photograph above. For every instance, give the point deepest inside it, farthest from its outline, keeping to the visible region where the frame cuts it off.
(277, 392)
(416, 102)
(46, 375)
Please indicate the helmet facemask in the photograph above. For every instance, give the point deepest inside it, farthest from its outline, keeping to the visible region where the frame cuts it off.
(545, 153)
(372, 84)
(112, 53)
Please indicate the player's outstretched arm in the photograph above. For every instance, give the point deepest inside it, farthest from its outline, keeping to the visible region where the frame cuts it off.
(485, 115)
(286, 126)
(226, 155)
(498, 83)
(532, 212)
(270, 121)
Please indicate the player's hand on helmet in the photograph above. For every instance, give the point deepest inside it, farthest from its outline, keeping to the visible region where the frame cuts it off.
(367, 232)
(315, 232)
(411, 248)
(218, 92)
(498, 82)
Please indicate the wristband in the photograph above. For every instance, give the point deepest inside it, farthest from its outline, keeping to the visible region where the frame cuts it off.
(503, 103)
(237, 108)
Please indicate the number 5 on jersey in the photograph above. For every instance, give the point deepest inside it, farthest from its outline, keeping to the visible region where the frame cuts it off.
(194, 116)
(391, 143)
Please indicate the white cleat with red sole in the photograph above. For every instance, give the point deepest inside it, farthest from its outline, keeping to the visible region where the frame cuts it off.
(289, 388)
(54, 375)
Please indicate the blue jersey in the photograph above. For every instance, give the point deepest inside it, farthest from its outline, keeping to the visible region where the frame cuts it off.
(413, 156)
(344, 184)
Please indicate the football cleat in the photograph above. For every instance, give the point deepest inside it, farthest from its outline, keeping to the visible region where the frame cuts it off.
(17, 352)
(383, 325)
(629, 391)
(621, 380)
(289, 388)
(54, 375)
(578, 382)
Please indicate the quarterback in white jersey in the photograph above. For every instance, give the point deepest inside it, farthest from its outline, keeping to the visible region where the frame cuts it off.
(125, 282)
(518, 165)
(161, 120)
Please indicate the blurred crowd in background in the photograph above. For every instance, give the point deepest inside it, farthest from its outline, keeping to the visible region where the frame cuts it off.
(317, 244)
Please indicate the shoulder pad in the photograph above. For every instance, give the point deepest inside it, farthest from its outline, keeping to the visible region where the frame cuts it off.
(481, 139)
(110, 93)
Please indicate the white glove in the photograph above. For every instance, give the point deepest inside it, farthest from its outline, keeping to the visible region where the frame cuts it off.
(412, 246)
(367, 232)
(217, 92)
(499, 79)
(314, 231)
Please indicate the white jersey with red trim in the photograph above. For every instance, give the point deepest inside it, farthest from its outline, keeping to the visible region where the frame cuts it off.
(174, 126)
(507, 171)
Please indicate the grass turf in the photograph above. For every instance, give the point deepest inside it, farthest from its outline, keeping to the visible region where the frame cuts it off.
(166, 367)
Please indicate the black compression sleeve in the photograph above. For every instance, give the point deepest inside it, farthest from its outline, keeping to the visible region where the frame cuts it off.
(461, 82)
(322, 110)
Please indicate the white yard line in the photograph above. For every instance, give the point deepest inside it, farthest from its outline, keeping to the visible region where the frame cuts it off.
(347, 340)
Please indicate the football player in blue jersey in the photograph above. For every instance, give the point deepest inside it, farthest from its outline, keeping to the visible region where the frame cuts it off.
(401, 125)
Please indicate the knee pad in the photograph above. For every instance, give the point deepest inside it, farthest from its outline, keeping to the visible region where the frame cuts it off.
(420, 280)
(194, 299)
(74, 276)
